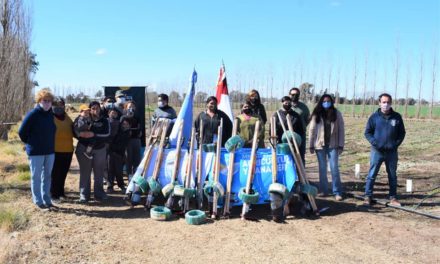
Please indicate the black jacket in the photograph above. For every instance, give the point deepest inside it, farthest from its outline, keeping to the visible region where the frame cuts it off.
(210, 127)
(296, 122)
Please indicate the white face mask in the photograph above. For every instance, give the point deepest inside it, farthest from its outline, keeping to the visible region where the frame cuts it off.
(160, 104)
(120, 100)
(385, 107)
(45, 105)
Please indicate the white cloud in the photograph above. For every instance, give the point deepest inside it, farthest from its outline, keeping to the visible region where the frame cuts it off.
(335, 3)
(101, 52)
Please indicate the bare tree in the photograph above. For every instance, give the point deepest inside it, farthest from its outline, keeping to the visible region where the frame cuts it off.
(419, 104)
(434, 72)
(408, 80)
(396, 70)
(354, 87)
(17, 64)
(338, 79)
(364, 97)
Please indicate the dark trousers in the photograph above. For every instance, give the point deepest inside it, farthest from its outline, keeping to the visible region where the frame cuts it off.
(115, 167)
(60, 169)
(133, 155)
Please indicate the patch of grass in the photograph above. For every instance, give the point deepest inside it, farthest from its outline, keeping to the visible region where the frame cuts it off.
(22, 167)
(13, 219)
(7, 196)
(24, 176)
(12, 148)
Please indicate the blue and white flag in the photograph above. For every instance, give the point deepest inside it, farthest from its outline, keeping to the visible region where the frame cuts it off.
(185, 115)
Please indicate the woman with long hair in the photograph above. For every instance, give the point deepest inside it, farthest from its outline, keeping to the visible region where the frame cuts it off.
(257, 108)
(326, 138)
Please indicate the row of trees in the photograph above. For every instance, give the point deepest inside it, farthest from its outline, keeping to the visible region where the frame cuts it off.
(17, 63)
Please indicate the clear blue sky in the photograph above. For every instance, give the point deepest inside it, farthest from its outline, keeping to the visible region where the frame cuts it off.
(83, 45)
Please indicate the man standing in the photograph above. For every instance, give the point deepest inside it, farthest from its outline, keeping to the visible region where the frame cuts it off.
(385, 131)
(285, 110)
(164, 111)
(303, 111)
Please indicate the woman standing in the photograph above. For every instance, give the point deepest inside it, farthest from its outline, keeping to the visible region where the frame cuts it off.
(96, 139)
(326, 138)
(63, 149)
(211, 121)
(246, 127)
(38, 132)
(257, 108)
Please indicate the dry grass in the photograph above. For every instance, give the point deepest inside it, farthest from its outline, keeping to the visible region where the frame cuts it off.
(12, 219)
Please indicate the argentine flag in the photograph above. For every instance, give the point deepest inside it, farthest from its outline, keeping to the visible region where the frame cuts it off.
(185, 115)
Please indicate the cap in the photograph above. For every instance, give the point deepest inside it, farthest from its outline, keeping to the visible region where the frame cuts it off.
(84, 107)
(119, 93)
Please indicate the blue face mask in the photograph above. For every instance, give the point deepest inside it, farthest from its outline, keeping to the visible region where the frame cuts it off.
(326, 105)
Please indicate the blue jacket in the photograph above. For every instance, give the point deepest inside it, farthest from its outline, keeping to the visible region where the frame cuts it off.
(38, 132)
(385, 132)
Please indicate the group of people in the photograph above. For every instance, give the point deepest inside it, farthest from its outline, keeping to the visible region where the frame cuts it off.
(109, 134)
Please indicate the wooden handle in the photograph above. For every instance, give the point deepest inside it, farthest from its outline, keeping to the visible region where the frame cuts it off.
(253, 157)
(178, 149)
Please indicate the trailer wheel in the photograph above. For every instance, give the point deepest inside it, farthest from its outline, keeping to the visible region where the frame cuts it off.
(251, 198)
(195, 217)
(160, 213)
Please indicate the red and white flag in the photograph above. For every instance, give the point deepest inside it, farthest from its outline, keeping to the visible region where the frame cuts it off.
(224, 103)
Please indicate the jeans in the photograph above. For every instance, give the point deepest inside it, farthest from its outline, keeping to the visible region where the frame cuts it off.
(376, 158)
(41, 169)
(333, 157)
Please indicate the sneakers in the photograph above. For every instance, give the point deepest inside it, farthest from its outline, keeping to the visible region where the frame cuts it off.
(368, 201)
(394, 202)
(43, 207)
(338, 198)
(83, 201)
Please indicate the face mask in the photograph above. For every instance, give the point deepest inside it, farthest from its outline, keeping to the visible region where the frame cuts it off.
(253, 100)
(247, 111)
(295, 98)
(160, 104)
(326, 105)
(58, 110)
(130, 111)
(385, 107)
(46, 105)
(287, 106)
(109, 106)
(120, 100)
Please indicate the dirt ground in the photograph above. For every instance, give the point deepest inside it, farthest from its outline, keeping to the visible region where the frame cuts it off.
(347, 232)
